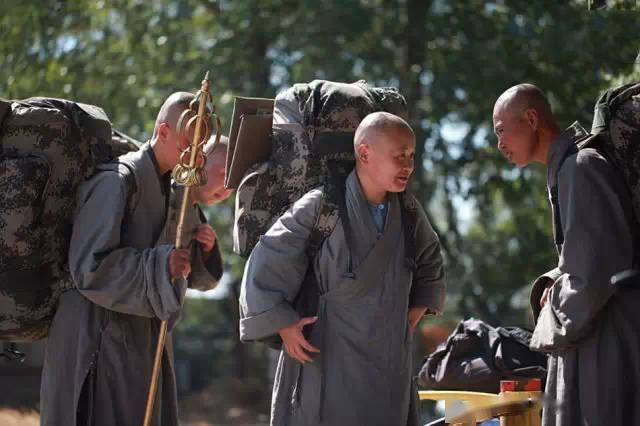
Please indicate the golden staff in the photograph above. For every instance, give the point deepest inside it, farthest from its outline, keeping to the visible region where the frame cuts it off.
(188, 172)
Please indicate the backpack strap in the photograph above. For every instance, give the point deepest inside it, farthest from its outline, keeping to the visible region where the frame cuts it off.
(558, 233)
(328, 213)
(340, 196)
(590, 141)
(333, 206)
(126, 170)
(132, 187)
(409, 214)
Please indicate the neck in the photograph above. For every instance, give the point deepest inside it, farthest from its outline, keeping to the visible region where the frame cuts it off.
(163, 165)
(372, 193)
(545, 139)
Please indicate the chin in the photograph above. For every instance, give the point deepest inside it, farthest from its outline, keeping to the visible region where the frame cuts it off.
(397, 188)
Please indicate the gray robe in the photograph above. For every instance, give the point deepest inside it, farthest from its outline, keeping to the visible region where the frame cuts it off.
(591, 332)
(101, 345)
(363, 374)
(205, 274)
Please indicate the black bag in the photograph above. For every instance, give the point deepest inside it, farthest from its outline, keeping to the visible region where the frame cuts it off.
(477, 356)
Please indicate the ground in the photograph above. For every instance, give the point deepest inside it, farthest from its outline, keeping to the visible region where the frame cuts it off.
(224, 402)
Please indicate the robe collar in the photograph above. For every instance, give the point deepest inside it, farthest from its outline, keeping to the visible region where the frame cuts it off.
(356, 198)
(164, 180)
(559, 148)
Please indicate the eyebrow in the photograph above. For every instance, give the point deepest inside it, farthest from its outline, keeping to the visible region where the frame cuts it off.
(403, 151)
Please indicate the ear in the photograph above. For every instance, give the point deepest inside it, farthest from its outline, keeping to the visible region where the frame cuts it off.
(532, 118)
(362, 152)
(163, 132)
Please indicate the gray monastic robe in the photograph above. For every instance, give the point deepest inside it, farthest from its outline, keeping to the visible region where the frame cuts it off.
(591, 332)
(101, 344)
(205, 274)
(363, 374)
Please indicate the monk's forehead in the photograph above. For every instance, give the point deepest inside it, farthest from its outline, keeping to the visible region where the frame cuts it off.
(391, 135)
(508, 106)
(498, 111)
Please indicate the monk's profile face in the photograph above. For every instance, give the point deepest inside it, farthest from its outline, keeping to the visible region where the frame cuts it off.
(389, 159)
(172, 143)
(180, 141)
(516, 135)
(214, 191)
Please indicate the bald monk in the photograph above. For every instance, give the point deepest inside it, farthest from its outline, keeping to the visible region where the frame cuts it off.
(355, 369)
(101, 345)
(198, 236)
(590, 331)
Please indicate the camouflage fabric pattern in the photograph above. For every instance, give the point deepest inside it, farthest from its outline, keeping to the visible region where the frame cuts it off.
(301, 156)
(623, 144)
(48, 147)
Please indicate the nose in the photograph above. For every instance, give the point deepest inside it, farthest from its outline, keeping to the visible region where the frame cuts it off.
(409, 165)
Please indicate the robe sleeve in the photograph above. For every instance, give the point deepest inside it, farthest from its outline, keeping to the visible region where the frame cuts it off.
(597, 245)
(275, 270)
(205, 274)
(537, 288)
(122, 279)
(428, 287)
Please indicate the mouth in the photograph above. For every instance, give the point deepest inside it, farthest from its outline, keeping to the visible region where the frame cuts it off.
(222, 194)
(403, 179)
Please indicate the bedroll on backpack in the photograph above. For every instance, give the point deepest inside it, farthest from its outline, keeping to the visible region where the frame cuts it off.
(47, 148)
(312, 137)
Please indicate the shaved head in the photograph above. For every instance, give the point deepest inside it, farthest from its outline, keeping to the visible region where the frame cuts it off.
(210, 150)
(214, 191)
(524, 124)
(384, 146)
(166, 140)
(518, 99)
(171, 110)
(378, 123)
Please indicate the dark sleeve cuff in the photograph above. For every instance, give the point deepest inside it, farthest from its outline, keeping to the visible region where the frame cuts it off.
(205, 275)
(214, 262)
(430, 295)
(537, 288)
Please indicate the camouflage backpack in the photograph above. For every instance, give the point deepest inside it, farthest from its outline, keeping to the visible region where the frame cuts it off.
(47, 148)
(615, 133)
(311, 146)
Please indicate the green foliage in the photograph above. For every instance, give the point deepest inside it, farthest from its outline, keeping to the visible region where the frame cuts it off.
(450, 58)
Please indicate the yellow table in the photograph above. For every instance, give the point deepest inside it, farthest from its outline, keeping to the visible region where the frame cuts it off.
(468, 408)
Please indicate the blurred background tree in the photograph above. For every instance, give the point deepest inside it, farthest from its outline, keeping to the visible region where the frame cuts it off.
(451, 59)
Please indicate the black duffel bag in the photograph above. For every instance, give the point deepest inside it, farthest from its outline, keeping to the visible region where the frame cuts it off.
(477, 356)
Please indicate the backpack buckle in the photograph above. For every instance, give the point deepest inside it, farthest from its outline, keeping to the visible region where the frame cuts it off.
(13, 354)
